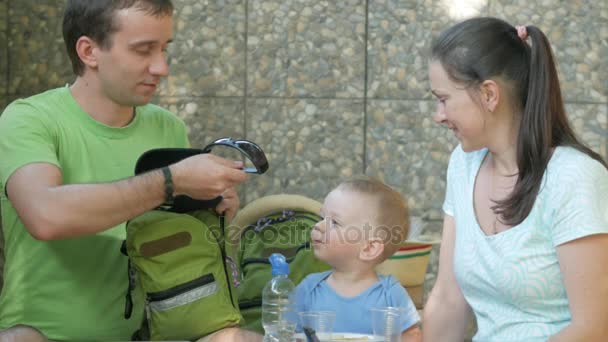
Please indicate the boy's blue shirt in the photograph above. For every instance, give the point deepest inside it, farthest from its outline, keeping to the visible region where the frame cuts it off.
(352, 313)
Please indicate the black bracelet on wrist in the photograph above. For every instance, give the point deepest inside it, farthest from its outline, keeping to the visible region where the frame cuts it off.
(168, 185)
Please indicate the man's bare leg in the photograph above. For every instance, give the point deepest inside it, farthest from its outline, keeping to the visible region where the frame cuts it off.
(232, 334)
(20, 333)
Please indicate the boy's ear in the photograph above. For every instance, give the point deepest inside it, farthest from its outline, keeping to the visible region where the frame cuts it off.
(371, 249)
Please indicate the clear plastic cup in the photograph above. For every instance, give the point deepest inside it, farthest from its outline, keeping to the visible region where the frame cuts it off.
(322, 322)
(387, 323)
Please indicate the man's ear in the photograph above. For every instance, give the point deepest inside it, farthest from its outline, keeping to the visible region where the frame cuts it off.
(371, 249)
(490, 95)
(86, 49)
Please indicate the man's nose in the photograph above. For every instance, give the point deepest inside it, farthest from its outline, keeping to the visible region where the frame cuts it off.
(160, 66)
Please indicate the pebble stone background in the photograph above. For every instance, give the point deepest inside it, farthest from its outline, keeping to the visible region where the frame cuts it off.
(329, 89)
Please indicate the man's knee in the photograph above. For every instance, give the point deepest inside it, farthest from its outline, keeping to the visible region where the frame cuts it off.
(20, 333)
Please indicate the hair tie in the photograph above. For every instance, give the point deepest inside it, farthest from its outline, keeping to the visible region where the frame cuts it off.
(522, 32)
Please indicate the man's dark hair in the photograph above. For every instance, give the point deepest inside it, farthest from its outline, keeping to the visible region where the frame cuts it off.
(96, 20)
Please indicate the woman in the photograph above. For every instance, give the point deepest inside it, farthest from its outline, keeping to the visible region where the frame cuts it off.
(525, 239)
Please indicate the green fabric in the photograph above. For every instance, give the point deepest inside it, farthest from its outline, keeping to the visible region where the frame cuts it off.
(72, 289)
(287, 233)
(188, 275)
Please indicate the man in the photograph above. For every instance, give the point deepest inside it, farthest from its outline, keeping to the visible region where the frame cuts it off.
(67, 158)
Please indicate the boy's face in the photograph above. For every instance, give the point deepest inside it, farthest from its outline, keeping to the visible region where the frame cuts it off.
(130, 70)
(347, 221)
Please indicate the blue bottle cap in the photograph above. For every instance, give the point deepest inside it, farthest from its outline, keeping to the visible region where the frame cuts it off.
(279, 264)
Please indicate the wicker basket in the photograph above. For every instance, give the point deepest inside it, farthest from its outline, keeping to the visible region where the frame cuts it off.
(408, 264)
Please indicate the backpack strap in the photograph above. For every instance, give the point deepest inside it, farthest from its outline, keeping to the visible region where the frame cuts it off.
(131, 277)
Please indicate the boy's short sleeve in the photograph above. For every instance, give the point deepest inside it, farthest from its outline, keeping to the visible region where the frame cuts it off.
(26, 138)
(398, 297)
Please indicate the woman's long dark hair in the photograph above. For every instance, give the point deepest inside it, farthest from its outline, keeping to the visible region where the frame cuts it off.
(480, 49)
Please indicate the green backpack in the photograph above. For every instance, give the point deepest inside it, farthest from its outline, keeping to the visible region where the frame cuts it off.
(272, 224)
(179, 262)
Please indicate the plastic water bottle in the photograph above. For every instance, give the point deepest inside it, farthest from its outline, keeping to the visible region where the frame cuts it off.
(278, 303)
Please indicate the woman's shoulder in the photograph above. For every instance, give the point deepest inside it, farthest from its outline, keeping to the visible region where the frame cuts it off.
(570, 153)
(573, 171)
(569, 163)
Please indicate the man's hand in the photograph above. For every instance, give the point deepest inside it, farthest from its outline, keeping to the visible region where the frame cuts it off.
(206, 176)
(229, 205)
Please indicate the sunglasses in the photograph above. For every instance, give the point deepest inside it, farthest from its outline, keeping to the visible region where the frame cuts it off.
(249, 149)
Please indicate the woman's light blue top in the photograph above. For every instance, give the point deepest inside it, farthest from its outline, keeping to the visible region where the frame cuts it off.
(512, 280)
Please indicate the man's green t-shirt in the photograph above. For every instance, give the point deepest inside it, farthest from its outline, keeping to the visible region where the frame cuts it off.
(72, 289)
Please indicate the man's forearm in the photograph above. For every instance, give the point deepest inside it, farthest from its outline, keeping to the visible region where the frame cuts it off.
(51, 210)
(82, 209)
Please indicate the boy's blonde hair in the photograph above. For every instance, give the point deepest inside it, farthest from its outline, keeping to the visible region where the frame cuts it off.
(392, 213)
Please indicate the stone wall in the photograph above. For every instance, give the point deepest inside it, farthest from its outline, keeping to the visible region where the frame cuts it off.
(329, 89)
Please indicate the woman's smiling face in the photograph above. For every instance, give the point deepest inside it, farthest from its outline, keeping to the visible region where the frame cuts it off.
(456, 109)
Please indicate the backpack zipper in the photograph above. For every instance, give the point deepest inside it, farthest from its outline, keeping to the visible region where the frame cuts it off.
(223, 252)
(181, 295)
(179, 289)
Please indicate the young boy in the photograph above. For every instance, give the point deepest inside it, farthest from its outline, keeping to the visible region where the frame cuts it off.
(364, 220)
